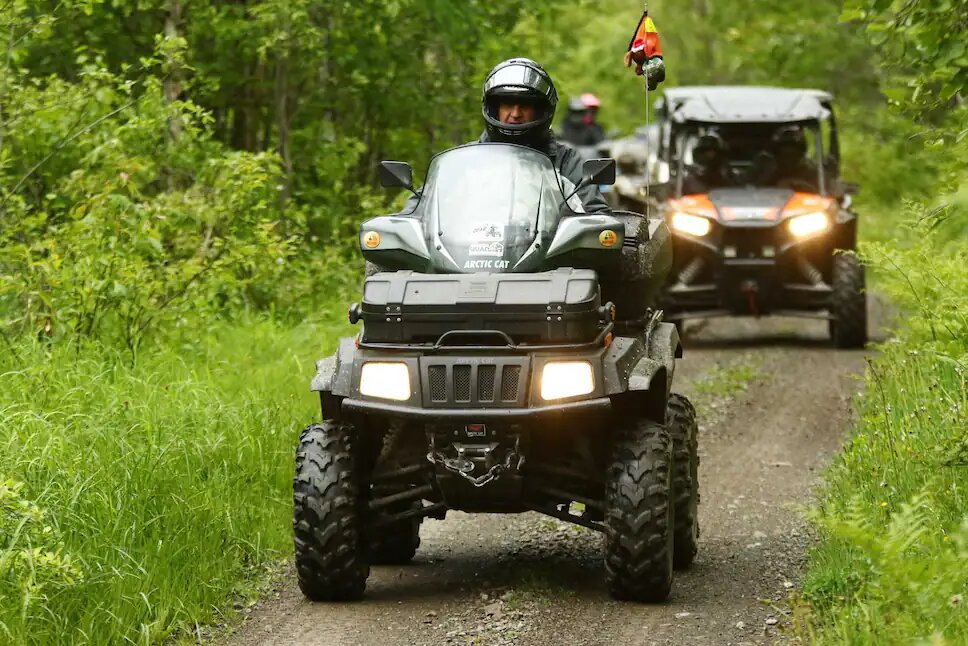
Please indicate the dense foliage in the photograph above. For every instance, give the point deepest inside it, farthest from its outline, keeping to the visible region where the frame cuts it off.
(180, 187)
(894, 513)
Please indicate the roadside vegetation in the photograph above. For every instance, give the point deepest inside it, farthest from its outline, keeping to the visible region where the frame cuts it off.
(893, 563)
(180, 190)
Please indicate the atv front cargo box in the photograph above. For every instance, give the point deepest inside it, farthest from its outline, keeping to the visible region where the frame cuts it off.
(561, 306)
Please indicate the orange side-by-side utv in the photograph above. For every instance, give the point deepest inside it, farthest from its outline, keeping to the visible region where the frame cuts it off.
(762, 233)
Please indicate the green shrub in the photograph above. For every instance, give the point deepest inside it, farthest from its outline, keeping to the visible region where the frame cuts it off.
(166, 484)
(32, 560)
(893, 565)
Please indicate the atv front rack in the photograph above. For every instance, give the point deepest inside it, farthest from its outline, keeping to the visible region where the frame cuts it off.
(504, 342)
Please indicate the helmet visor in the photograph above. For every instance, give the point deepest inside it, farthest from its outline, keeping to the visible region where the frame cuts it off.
(518, 79)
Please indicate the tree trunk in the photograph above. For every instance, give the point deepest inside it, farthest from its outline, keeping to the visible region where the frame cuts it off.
(283, 121)
(173, 77)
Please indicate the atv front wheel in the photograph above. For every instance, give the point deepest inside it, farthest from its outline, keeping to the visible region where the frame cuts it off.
(848, 328)
(331, 562)
(681, 422)
(639, 514)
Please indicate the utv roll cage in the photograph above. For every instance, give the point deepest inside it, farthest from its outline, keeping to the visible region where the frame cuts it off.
(692, 109)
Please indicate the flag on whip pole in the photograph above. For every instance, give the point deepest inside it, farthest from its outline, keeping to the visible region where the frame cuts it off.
(645, 51)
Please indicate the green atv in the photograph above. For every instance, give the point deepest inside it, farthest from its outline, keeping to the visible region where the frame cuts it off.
(509, 361)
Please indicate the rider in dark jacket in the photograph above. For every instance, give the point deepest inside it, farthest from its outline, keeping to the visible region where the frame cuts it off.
(580, 126)
(710, 167)
(787, 165)
(518, 105)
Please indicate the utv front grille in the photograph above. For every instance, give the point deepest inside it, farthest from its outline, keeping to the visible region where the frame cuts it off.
(751, 243)
(459, 383)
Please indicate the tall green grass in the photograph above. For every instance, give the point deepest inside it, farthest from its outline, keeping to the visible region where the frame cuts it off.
(136, 499)
(892, 567)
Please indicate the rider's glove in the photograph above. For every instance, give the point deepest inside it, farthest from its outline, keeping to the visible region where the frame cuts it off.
(654, 72)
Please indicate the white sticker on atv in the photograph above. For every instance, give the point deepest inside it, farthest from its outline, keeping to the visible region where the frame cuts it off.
(486, 264)
(488, 232)
(495, 249)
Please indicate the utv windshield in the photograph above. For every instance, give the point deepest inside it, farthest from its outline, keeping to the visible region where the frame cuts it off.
(484, 203)
(753, 158)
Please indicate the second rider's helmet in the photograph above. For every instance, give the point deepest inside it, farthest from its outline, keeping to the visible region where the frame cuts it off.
(790, 138)
(519, 79)
(709, 150)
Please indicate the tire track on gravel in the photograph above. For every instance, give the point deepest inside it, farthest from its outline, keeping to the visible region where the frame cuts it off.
(528, 579)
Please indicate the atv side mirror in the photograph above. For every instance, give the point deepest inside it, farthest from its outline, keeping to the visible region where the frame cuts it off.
(598, 171)
(394, 174)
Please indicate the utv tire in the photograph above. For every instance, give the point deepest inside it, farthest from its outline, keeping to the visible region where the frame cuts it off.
(681, 422)
(331, 562)
(395, 544)
(848, 328)
(639, 515)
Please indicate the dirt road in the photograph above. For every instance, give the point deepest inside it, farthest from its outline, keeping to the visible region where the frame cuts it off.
(529, 579)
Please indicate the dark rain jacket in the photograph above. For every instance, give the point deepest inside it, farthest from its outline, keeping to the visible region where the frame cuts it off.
(699, 179)
(575, 131)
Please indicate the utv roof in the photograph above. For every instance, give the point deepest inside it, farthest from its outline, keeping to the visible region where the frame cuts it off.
(746, 104)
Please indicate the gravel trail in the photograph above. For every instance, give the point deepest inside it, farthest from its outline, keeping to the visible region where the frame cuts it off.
(528, 579)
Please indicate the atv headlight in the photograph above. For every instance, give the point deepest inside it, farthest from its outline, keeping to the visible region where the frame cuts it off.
(562, 379)
(808, 224)
(694, 225)
(385, 380)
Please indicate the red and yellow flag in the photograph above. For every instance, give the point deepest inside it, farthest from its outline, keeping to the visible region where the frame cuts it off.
(644, 44)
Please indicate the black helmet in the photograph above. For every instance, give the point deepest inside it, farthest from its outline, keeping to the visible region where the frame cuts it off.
(709, 149)
(790, 136)
(525, 81)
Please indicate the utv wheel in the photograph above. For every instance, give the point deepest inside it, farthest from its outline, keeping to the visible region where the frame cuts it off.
(331, 563)
(848, 328)
(681, 422)
(395, 544)
(639, 514)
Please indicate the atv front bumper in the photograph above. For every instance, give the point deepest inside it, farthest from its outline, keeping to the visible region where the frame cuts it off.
(442, 415)
(751, 270)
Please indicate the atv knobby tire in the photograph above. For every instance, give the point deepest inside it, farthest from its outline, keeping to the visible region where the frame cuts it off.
(331, 562)
(681, 423)
(397, 543)
(639, 514)
(848, 328)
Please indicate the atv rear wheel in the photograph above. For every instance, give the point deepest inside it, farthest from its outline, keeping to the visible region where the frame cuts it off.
(639, 514)
(331, 563)
(848, 328)
(681, 422)
(395, 544)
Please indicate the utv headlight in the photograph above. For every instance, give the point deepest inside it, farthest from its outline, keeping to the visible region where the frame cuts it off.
(563, 379)
(390, 380)
(808, 224)
(694, 225)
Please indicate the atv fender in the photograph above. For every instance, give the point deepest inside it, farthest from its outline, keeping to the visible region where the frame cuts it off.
(638, 375)
(334, 374)
(665, 347)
